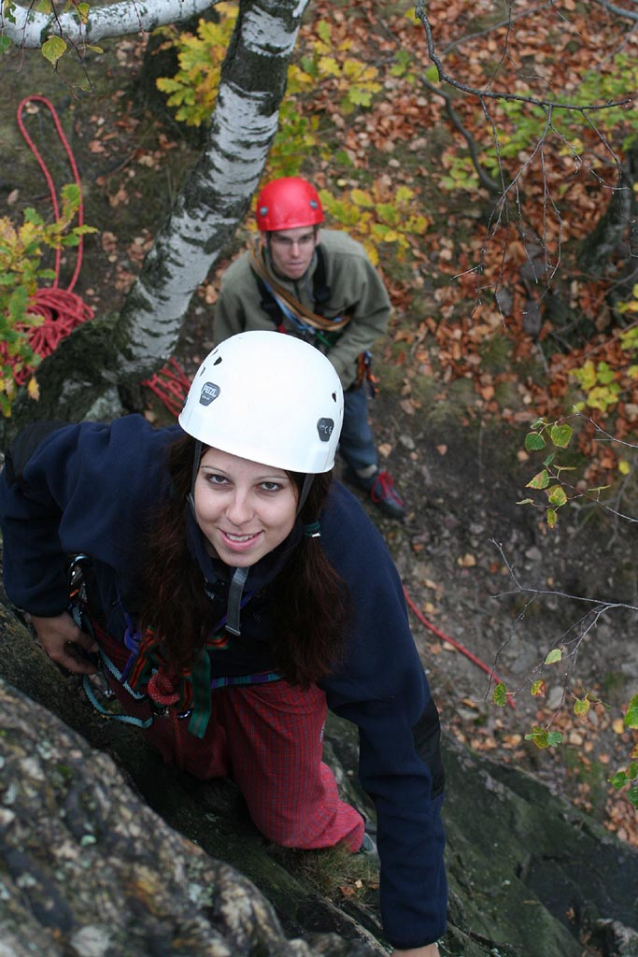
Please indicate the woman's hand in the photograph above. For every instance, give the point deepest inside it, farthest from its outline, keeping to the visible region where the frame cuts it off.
(430, 950)
(64, 643)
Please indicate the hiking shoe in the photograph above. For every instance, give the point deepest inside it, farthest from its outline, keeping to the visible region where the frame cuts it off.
(381, 489)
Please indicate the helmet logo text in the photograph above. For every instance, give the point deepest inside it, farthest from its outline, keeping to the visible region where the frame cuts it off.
(209, 393)
(325, 428)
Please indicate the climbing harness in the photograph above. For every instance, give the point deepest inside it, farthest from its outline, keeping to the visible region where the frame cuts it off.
(184, 696)
(279, 304)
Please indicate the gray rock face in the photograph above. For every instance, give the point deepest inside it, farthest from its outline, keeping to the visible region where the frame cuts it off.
(88, 869)
(116, 855)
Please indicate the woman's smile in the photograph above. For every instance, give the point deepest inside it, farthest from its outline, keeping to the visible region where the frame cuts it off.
(244, 509)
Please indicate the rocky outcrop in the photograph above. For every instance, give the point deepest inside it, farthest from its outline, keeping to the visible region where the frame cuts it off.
(105, 851)
(89, 869)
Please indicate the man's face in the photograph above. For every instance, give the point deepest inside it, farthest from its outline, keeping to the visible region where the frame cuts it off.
(291, 250)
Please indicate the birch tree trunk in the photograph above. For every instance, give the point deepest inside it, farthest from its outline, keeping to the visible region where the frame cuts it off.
(215, 196)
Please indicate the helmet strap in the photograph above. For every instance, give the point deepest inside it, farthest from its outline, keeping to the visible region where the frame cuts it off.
(235, 594)
(305, 491)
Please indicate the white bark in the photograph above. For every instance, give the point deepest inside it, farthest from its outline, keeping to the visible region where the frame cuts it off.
(32, 28)
(218, 191)
(213, 199)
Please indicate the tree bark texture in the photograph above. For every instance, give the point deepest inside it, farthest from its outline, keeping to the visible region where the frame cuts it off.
(217, 192)
(215, 195)
(30, 27)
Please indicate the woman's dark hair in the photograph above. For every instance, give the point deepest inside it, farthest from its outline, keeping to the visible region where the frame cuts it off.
(309, 598)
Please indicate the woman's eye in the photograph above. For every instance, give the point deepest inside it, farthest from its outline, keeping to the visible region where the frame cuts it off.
(216, 479)
(271, 486)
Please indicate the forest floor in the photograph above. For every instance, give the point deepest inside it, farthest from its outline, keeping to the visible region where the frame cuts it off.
(482, 570)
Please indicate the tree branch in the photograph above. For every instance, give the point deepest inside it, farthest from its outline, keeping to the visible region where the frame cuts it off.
(29, 28)
(492, 95)
(486, 180)
(619, 11)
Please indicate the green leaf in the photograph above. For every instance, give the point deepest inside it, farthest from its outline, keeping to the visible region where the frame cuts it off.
(551, 517)
(544, 739)
(632, 794)
(556, 495)
(324, 30)
(500, 695)
(343, 158)
(550, 458)
(537, 688)
(555, 655)
(17, 304)
(362, 198)
(526, 501)
(605, 374)
(5, 44)
(581, 706)
(540, 480)
(561, 435)
(329, 66)
(538, 736)
(53, 49)
(631, 718)
(534, 441)
(619, 780)
(71, 195)
(432, 74)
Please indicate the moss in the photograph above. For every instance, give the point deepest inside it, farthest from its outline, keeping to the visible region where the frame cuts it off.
(612, 683)
(496, 354)
(332, 870)
(508, 396)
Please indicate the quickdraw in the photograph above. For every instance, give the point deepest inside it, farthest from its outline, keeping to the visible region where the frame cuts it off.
(365, 374)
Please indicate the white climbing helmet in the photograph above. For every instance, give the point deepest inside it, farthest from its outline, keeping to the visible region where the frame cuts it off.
(270, 398)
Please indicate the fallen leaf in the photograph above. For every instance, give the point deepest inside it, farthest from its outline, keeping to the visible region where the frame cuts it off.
(467, 561)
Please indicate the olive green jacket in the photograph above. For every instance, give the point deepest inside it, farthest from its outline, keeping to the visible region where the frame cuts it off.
(355, 289)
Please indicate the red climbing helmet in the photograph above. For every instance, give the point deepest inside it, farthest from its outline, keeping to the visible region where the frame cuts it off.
(288, 203)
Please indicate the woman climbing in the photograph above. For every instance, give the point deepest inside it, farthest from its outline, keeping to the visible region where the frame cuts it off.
(231, 592)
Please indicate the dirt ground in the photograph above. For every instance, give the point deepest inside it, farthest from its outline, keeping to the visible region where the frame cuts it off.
(485, 574)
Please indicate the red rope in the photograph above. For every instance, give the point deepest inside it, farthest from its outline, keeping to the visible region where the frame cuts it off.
(456, 644)
(62, 309)
(47, 175)
(170, 385)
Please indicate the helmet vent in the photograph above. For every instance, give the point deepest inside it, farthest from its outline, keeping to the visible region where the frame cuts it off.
(217, 361)
(334, 396)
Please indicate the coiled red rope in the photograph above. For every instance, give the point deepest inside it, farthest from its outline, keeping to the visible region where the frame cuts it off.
(62, 309)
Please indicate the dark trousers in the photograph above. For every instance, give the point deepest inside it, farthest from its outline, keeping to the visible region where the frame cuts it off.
(356, 445)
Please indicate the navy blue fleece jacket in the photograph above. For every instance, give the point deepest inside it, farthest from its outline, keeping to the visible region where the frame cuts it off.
(89, 489)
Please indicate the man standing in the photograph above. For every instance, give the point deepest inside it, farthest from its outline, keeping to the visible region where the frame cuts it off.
(320, 287)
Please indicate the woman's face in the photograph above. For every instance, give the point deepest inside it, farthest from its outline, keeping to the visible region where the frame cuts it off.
(243, 508)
